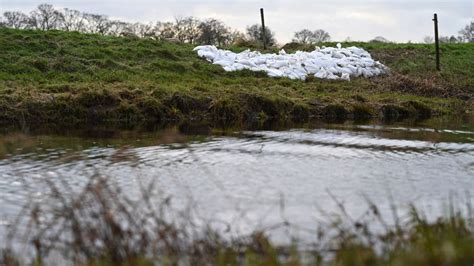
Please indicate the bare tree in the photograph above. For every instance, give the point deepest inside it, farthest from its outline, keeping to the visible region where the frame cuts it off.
(443, 39)
(428, 39)
(72, 20)
(192, 29)
(321, 36)
(379, 39)
(184, 29)
(45, 17)
(467, 33)
(97, 23)
(254, 33)
(235, 35)
(214, 32)
(165, 31)
(143, 30)
(15, 20)
(208, 32)
(119, 28)
(303, 36)
(453, 39)
(310, 37)
(187, 29)
(178, 29)
(448, 39)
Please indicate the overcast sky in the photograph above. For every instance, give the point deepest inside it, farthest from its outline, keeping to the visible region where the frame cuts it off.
(397, 20)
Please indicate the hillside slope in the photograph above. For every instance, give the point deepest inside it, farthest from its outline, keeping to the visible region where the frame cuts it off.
(66, 76)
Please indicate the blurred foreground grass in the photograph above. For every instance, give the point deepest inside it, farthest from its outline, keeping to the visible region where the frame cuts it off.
(101, 225)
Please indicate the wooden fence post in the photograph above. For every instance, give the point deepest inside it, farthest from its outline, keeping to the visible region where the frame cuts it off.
(264, 37)
(435, 19)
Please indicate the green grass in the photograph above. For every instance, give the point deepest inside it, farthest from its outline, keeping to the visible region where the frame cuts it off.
(59, 76)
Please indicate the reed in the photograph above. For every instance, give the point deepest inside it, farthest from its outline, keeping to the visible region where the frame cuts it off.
(103, 225)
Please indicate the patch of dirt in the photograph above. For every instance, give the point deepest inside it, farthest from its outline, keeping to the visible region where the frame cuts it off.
(417, 86)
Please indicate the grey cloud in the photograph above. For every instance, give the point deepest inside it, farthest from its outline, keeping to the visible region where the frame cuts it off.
(361, 20)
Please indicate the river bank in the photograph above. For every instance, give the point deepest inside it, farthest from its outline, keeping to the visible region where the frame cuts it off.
(67, 77)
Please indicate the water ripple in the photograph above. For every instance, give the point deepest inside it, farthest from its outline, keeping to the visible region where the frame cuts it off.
(252, 169)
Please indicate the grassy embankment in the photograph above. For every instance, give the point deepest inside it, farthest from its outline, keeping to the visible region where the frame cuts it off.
(68, 77)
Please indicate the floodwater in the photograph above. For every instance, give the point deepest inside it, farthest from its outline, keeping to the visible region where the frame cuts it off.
(252, 178)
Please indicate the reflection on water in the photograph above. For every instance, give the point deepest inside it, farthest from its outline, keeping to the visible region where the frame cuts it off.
(244, 175)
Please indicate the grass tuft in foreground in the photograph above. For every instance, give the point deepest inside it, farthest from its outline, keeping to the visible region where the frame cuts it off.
(102, 225)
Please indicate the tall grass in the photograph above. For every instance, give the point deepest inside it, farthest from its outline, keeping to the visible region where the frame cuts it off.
(103, 225)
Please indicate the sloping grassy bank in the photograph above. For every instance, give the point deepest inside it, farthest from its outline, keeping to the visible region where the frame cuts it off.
(68, 77)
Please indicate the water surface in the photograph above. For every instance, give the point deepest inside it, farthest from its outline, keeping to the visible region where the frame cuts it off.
(251, 178)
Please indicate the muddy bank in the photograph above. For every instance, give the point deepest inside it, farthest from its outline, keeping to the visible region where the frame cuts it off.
(135, 106)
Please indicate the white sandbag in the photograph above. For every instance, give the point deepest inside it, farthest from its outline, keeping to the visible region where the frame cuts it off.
(259, 60)
(352, 68)
(332, 70)
(238, 66)
(229, 68)
(312, 68)
(366, 73)
(223, 63)
(275, 73)
(332, 76)
(246, 62)
(336, 54)
(326, 62)
(345, 70)
(321, 74)
(278, 64)
(207, 54)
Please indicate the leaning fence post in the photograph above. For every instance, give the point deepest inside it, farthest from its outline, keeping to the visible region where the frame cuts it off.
(435, 19)
(264, 37)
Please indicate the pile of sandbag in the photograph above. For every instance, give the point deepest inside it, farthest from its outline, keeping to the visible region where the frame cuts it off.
(325, 63)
